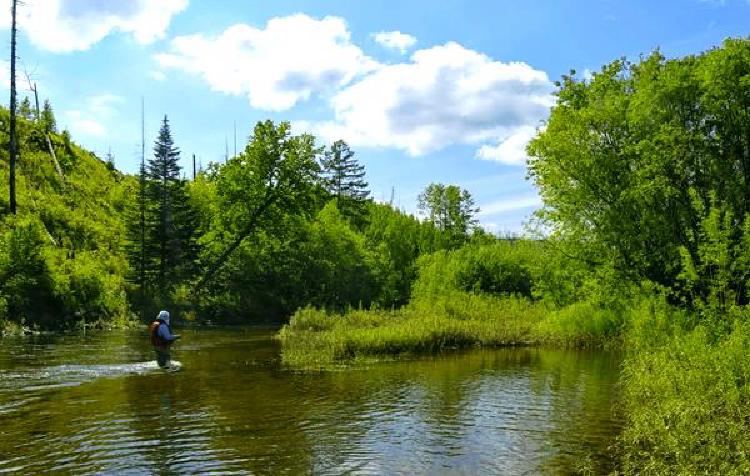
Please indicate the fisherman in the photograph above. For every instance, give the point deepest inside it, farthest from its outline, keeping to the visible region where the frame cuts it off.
(162, 338)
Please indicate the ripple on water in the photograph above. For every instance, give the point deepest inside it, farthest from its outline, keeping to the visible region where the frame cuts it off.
(490, 412)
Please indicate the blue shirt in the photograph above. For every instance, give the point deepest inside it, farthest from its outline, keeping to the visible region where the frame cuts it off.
(165, 333)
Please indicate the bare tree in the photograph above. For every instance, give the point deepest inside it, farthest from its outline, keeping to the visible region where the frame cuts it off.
(12, 143)
(32, 87)
(45, 127)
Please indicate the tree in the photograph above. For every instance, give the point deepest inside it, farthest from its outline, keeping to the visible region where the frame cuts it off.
(12, 143)
(343, 177)
(24, 109)
(274, 176)
(339, 267)
(109, 159)
(451, 209)
(169, 245)
(634, 163)
(48, 118)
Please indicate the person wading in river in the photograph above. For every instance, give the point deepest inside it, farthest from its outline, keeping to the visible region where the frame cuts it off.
(162, 338)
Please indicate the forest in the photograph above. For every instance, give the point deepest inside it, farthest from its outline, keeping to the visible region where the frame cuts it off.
(642, 244)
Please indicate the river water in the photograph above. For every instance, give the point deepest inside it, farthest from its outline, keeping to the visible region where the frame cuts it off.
(96, 403)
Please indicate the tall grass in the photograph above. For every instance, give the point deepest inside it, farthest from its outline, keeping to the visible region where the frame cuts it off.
(686, 395)
(315, 338)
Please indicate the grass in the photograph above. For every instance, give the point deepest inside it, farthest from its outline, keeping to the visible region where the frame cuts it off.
(316, 338)
(687, 397)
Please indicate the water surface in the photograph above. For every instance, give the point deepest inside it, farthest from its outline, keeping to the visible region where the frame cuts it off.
(98, 404)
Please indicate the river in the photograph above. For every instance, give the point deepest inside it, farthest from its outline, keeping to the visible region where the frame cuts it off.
(96, 403)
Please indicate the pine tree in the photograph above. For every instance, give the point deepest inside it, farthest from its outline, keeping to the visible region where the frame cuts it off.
(48, 118)
(166, 220)
(136, 243)
(109, 160)
(24, 109)
(343, 177)
(162, 188)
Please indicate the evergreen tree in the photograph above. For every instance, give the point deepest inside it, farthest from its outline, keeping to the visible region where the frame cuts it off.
(343, 177)
(48, 117)
(109, 160)
(24, 109)
(136, 243)
(162, 232)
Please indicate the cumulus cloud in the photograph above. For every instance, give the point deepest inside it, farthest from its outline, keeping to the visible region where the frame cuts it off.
(445, 95)
(394, 40)
(74, 25)
(512, 149)
(89, 121)
(277, 66)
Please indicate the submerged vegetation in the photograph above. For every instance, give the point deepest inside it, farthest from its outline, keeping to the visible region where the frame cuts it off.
(644, 171)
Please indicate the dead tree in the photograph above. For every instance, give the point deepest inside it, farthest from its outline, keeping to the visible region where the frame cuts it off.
(12, 142)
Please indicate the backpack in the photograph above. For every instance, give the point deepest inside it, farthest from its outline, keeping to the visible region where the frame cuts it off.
(156, 339)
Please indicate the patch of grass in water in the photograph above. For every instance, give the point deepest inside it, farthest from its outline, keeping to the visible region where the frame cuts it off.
(316, 339)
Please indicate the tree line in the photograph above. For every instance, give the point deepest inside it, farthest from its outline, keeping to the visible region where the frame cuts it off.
(281, 225)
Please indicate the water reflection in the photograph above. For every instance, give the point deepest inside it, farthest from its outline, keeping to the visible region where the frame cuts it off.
(232, 409)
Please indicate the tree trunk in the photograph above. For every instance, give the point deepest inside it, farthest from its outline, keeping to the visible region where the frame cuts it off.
(218, 263)
(54, 157)
(12, 142)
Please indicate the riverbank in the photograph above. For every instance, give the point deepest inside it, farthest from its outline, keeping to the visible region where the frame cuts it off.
(10, 328)
(686, 395)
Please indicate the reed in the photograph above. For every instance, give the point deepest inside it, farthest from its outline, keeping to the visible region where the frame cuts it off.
(316, 338)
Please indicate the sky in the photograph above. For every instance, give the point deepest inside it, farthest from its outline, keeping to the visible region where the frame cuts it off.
(422, 90)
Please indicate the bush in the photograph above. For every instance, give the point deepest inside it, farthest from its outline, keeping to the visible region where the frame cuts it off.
(687, 398)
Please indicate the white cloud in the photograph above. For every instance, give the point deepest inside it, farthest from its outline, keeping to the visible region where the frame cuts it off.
(394, 40)
(511, 204)
(158, 75)
(512, 149)
(81, 126)
(278, 66)
(75, 25)
(89, 121)
(446, 95)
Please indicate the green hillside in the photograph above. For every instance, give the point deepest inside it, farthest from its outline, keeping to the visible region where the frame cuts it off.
(62, 257)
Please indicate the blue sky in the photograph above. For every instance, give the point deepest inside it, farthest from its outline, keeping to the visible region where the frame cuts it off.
(424, 91)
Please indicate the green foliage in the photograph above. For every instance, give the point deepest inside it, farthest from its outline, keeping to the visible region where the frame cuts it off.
(47, 118)
(161, 220)
(60, 259)
(275, 175)
(339, 273)
(451, 209)
(685, 396)
(343, 177)
(397, 240)
(629, 161)
(502, 268)
(255, 207)
(315, 339)
(25, 282)
(25, 110)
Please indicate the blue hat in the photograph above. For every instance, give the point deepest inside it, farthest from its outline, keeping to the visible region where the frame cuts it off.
(164, 316)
